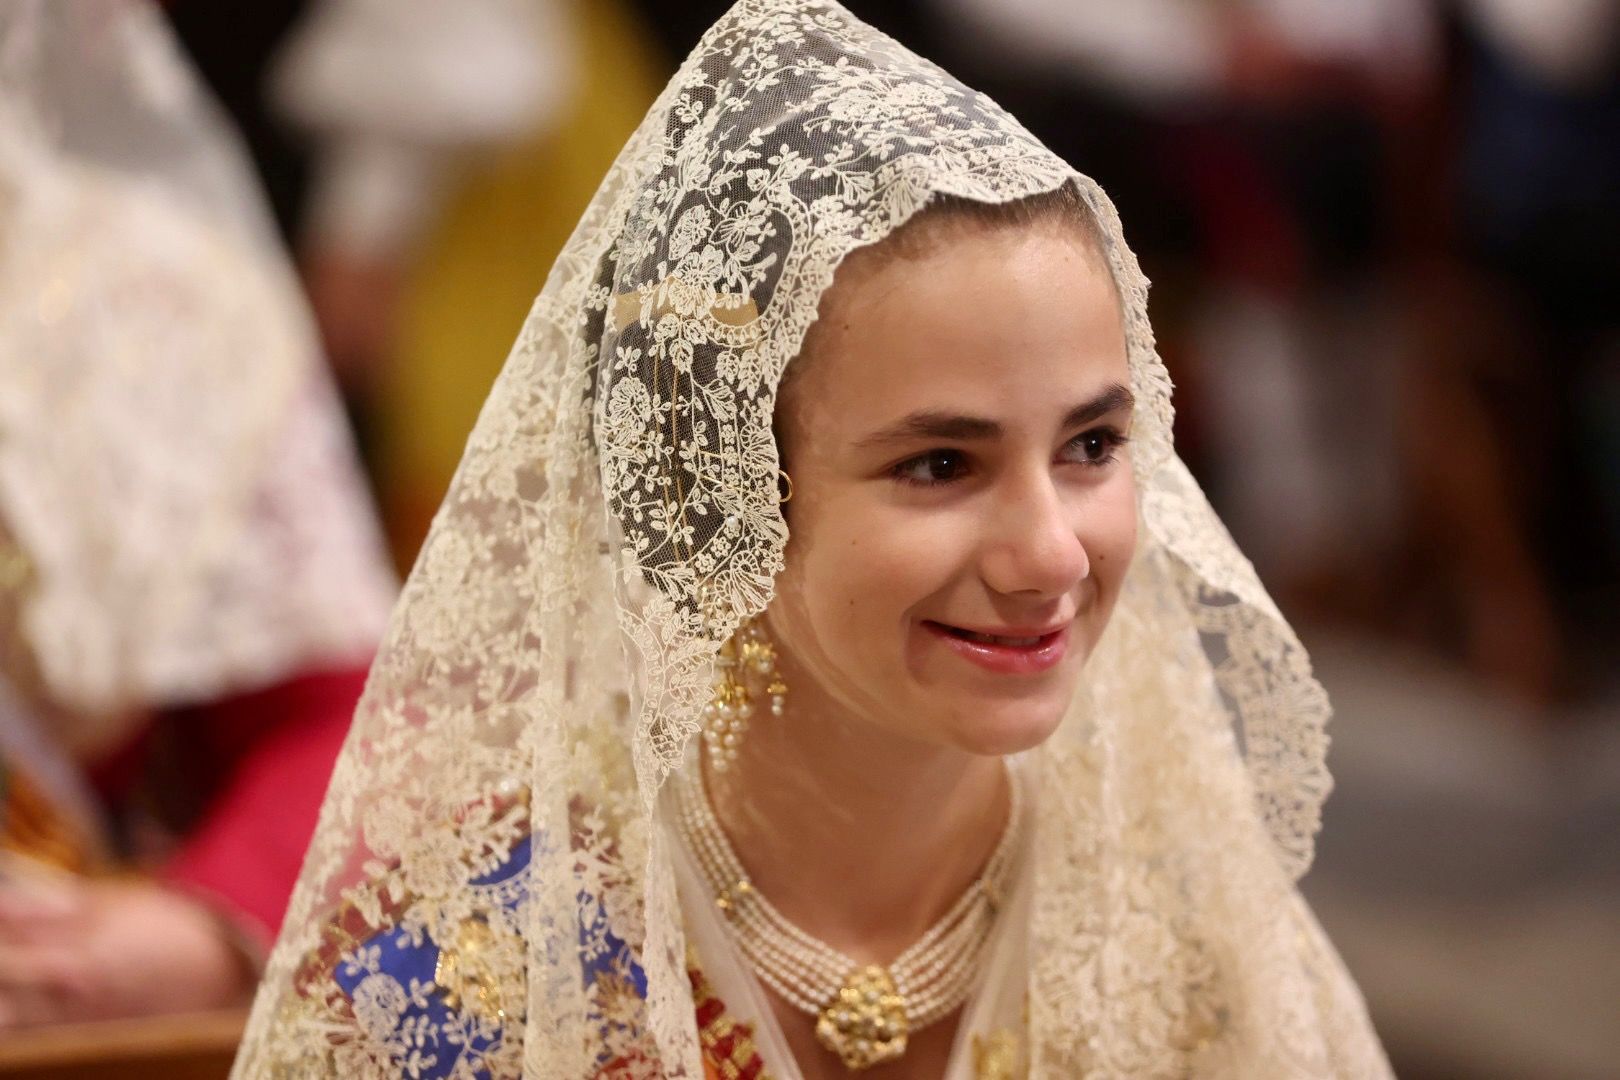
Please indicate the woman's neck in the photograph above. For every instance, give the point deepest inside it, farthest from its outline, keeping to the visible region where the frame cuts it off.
(860, 837)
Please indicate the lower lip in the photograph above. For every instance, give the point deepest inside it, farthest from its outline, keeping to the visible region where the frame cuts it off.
(1006, 659)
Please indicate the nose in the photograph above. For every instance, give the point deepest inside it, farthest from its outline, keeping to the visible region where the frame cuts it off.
(1032, 542)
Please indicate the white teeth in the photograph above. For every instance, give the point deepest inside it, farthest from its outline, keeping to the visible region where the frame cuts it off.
(992, 639)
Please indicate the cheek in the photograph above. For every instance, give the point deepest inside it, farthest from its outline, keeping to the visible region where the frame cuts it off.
(1110, 534)
(819, 607)
(855, 579)
(853, 575)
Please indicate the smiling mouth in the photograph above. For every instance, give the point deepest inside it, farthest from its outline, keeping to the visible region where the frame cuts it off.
(1019, 653)
(1004, 640)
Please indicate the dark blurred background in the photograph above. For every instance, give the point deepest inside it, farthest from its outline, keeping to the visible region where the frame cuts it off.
(1384, 238)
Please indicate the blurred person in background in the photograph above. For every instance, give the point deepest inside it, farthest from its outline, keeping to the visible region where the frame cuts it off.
(1476, 885)
(454, 146)
(1533, 186)
(191, 580)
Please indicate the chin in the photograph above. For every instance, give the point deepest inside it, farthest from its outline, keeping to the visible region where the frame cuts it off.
(999, 730)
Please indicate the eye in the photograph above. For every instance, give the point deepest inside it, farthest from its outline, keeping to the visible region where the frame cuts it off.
(933, 467)
(1096, 447)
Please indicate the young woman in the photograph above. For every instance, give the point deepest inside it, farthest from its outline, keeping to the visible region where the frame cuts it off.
(837, 436)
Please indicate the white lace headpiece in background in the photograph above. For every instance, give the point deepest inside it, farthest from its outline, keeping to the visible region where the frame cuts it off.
(180, 502)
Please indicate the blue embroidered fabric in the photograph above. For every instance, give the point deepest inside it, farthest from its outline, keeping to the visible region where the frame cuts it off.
(410, 961)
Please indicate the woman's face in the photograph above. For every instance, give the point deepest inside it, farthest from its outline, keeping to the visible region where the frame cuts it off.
(963, 509)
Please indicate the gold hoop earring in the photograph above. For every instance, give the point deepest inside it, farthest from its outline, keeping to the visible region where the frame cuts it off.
(745, 661)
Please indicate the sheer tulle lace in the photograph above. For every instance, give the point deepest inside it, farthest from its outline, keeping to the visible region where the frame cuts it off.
(616, 516)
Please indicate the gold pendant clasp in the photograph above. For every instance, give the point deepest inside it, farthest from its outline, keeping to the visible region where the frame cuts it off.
(865, 1024)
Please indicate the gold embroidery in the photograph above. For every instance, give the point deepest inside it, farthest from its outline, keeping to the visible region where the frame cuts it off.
(735, 311)
(463, 973)
(995, 1057)
(728, 1045)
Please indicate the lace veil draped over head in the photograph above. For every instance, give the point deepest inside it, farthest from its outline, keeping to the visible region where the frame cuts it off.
(616, 517)
(181, 513)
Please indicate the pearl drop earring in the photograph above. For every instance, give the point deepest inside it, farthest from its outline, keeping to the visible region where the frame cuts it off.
(748, 658)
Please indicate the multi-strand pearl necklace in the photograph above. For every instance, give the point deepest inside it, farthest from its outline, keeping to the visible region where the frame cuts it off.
(864, 1012)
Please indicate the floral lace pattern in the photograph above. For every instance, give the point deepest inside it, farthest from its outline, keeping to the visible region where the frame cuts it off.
(617, 515)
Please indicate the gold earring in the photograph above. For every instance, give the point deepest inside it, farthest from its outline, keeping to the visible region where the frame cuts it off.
(747, 659)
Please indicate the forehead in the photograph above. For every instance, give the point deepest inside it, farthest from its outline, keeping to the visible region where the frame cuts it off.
(1020, 322)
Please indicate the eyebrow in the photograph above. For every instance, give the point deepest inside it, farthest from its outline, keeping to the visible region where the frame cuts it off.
(937, 424)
